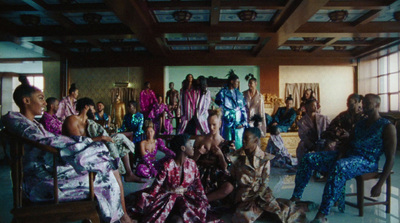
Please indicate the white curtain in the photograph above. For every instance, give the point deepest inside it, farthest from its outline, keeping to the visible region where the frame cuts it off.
(297, 91)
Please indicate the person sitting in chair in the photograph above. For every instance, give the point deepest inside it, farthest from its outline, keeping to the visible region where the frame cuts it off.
(49, 119)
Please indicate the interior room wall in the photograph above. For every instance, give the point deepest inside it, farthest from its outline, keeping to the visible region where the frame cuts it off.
(177, 74)
(96, 83)
(336, 83)
(51, 74)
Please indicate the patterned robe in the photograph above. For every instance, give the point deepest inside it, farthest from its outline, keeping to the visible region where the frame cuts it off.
(234, 114)
(51, 123)
(310, 134)
(255, 106)
(66, 108)
(253, 196)
(203, 104)
(188, 107)
(148, 166)
(147, 100)
(133, 123)
(156, 112)
(363, 157)
(285, 121)
(282, 158)
(105, 118)
(156, 202)
(121, 146)
(78, 157)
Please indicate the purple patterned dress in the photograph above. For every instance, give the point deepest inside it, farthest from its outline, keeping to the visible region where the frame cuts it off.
(51, 123)
(66, 108)
(147, 100)
(79, 156)
(156, 112)
(148, 165)
(203, 104)
(188, 107)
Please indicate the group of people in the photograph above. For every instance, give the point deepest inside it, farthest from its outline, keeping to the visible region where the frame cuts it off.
(224, 165)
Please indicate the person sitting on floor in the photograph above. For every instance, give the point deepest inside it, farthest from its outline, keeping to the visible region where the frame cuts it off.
(284, 116)
(49, 119)
(148, 165)
(337, 135)
(277, 148)
(253, 196)
(372, 137)
(118, 145)
(161, 117)
(78, 158)
(210, 155)
(176, 194)
(311, 125)
(101, 115)
(133, 123)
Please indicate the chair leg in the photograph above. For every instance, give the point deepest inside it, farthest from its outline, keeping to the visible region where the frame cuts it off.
(388, 193)
(360, 196)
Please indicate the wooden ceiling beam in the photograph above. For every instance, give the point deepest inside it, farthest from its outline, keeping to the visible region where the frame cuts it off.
(381, 43)
(304, 11)
(135, 15)
(215, 12)
(205, 5)
(366, 18)
(357, 4)
(340, 43)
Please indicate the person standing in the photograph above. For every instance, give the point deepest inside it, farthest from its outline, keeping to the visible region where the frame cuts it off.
(189, 95)
(172, 100)
(67, 105)
(147, 100)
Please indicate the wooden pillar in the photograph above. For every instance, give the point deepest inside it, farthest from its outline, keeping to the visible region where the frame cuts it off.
(155, 75)
(64, 77)
(269, 79)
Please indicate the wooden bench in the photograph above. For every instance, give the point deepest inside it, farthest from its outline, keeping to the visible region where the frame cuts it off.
(54, 211)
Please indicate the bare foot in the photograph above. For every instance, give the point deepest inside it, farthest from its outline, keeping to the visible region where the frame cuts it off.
(133, 178)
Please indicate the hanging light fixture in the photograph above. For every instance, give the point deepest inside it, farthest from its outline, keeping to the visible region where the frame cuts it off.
(359, 39)
(296, 48)
(30, 20)
(247, 15)
(182, 16)
(309, 39)
(339, 48)
(338, 16)
(92, 18)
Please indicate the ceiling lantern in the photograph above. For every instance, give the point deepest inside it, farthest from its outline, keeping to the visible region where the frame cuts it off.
(247, 15)
(359, 39)
(339, 48)
(396, 16)
(30, 20)
(182, 16)
(338, 16)
(309, 39)
(92, 18)
(296, 48)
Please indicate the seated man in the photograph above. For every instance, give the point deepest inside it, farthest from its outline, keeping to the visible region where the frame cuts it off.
(284, 117)
(118, 145)
(78, 158)
(49, 119)
(101, 115)
(373, 136)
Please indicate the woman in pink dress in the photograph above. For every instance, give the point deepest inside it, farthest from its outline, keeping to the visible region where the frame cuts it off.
(147, 100)
(176, 194)
(203, 104)
(67, 105)
(161, 117)
(189, 96)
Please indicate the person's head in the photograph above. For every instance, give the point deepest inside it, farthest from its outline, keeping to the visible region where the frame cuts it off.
(311, 105)
(52, 104)
(73, 91)
(214, 121)
(289, 101)
(160, 98)
(29, 99)
(181, 144)
(370, 104)
(308, 94)
(233, 79)
(86, 105)
(171, 85)
(100, 106)
(252, 81)
(353, 101)
(274, 130)
(117, 98)
(202, 81)
(189, 78)
(251, 138)
(149, 130)
(132, 105)
(147, 85)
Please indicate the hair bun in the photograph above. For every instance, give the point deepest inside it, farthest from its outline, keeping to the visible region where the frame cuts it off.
(23, 80)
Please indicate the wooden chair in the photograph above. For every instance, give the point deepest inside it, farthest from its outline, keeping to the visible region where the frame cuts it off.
(361, 193)
(54, 211)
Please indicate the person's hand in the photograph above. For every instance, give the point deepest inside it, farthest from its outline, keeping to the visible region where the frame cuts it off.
(274, 124)
(106, 139)
(202, 150)
(239, 127)
(345, 134)
(232, 146)
(376, 190)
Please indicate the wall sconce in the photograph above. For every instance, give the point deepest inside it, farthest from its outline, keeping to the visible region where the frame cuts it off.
(338, 16)
(182, 16)
(339, 48)
(296, 48)
(92, 18)
(247, 15)
(309, 39)
(30, 20)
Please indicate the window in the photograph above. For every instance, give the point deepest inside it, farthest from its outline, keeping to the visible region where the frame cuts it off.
(379, 74)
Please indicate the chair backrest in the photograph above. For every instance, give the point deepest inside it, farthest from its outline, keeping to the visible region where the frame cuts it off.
(17, 152)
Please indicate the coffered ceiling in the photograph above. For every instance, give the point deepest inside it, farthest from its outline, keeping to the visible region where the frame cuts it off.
(192, 32)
